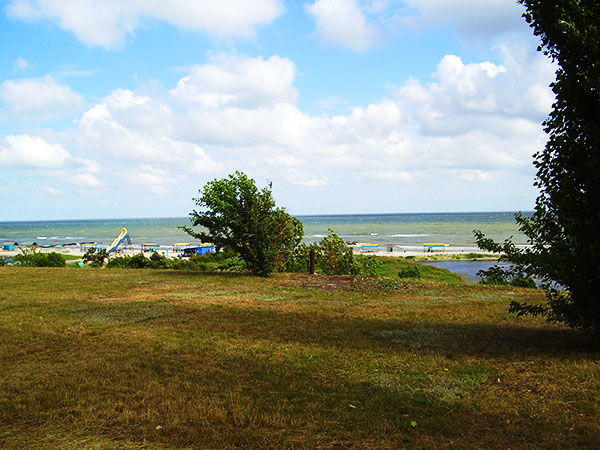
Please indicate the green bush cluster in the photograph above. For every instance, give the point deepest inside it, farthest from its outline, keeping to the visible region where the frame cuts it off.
(139, 261)
(409, 272)
(226, 261)
(506, 276)
(368, 265)
(95, 258)
(332, 257)
(33, 258)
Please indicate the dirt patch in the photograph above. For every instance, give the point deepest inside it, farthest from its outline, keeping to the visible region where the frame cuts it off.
(342, 282)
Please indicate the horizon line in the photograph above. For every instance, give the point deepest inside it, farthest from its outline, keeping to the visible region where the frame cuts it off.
(295, 215)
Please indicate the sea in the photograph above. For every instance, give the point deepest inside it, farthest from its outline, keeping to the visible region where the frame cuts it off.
(401, 232)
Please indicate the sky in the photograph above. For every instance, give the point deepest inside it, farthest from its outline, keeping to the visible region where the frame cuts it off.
(126, 108)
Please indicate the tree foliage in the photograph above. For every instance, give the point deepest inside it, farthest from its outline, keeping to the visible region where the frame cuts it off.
(31, 256)
(235, 214)
(95, 258)
(564, 231)
(332, 257)
(511, 275)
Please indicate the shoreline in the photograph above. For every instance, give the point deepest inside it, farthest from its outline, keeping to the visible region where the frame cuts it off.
(449, 253)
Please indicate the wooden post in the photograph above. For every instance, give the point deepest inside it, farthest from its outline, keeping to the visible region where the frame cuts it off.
(312, 262)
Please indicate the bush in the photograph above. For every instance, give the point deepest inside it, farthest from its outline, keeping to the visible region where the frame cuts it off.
(368, 265)
(157, 261)
(523, 281)
(511, 275)
(139, 261)
(95, 258)
(120, 262)
(494, 275)
(234, 264)
(53, 260)
(334, 257)
(475, 255)
(409, 272)
(299, 260)
(31, 257)
(226, 261)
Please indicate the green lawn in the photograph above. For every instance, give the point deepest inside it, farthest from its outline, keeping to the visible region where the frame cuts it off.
(156, 359)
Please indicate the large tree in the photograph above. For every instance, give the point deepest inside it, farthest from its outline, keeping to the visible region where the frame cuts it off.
(564, 231)
(235, 214)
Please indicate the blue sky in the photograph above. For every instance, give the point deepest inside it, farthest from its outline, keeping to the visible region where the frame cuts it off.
(117, 108)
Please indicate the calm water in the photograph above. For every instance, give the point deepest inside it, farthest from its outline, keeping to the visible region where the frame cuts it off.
(468, 269)
(405, 231)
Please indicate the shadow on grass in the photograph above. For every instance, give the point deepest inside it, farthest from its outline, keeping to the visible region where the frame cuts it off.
(121, 388)
(509, 342)
(233, 375)
(186, 273)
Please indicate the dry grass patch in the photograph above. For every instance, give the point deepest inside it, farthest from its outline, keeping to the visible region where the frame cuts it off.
(102, 359)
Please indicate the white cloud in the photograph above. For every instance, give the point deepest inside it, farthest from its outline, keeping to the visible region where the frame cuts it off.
(305, 179)
(131, 128)
(85, 179)
(21, 64)
(241, 101)
(32, 152)
(40, 96)
(474, 19)
(147, 177)
(47, 159)
(54, 191)
(107, 22)
(466, 123)
(360, 24)
(204, 163)
(376, 120)
(343, 22)
(395, 176)
(474, 175)
(505, 100)
(237, 81)
(139, 132)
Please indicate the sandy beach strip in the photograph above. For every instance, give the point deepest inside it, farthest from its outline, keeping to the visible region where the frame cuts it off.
(173, 252)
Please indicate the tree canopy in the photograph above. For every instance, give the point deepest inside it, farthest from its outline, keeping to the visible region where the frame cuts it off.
(564, 231)
(234, 213)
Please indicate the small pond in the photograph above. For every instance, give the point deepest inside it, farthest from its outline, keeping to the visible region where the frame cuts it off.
(467, 269)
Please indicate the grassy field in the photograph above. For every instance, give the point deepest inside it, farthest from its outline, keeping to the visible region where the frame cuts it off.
(441, 256)
(156, 359)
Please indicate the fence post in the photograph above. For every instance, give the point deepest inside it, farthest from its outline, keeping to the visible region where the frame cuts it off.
(312, 262)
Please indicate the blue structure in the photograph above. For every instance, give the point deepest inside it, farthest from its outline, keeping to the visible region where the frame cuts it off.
(199, 250)
(431, 246)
